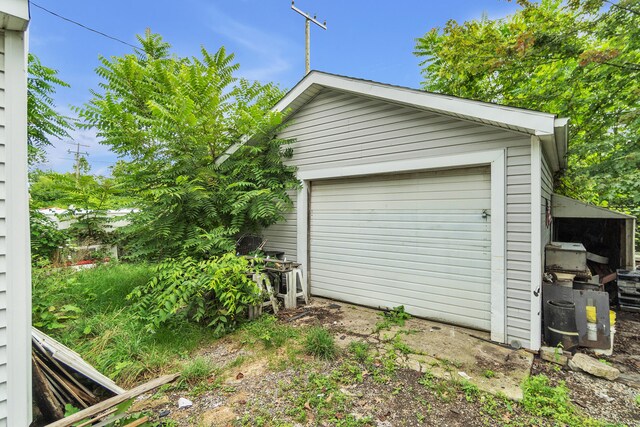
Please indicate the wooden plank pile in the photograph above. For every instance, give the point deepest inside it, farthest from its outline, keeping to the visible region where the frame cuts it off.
(61, 377)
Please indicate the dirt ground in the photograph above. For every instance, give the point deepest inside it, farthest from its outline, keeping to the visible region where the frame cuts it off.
(283, 386)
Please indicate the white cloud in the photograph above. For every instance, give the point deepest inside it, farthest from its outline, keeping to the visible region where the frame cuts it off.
(266, 48)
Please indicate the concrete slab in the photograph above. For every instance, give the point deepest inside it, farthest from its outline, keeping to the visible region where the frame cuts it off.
(446, 351)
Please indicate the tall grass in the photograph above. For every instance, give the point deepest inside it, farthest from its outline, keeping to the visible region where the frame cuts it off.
(105, 331)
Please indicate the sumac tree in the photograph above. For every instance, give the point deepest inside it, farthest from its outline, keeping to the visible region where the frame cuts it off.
(171, 119)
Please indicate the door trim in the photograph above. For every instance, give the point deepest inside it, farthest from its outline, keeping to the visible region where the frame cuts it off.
(494, 158)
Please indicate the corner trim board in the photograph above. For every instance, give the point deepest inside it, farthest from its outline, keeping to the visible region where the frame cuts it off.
(537, 254)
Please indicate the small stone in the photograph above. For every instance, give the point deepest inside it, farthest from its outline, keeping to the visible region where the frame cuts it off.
(163, 413)
(184, 403)
(554, 355)
(582, 362)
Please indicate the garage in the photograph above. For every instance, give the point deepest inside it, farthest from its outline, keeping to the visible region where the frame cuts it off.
(422, 240)
(429, 201)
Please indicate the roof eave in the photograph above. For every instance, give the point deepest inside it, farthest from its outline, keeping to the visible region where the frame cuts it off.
(14, 15)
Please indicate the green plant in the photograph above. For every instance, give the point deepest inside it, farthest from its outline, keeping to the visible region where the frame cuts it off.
(488, 374)
(107, 333)
(196, 370)
(181, 123)
(394, 317)
(46, 239)
(542, 399)
(269, 331)
(215, 292)
(605, 362)
(359, 349)
(637, 400)
(43, 120)
(320, 343)
(470, 390)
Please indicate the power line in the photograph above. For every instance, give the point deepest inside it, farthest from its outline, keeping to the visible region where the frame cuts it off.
(83, 26)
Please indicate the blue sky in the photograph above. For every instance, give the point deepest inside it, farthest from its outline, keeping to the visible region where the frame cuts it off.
(365, 39)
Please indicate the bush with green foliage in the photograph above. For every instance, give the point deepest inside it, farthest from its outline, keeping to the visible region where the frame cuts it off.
(175, 119)
(45, 237)
(215, 292)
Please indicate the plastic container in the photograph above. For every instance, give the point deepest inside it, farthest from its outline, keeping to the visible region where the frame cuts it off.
(592, 331)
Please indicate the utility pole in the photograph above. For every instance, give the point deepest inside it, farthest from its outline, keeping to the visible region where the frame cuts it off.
(77, 154)
(307, 33)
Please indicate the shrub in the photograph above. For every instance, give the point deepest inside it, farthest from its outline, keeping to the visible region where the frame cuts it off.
(215, 292)
(45, 237)
(319, 343)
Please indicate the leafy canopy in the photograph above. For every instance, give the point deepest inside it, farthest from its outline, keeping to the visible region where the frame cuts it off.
(43, 121)
(579, 59)
(170, 119)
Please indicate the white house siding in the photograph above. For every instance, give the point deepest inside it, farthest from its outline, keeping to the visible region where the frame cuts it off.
(3, 248)
(341, 129)
(282, 236)
(547, 190)
(15, 266)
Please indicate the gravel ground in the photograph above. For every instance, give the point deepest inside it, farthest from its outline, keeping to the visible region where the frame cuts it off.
(285, 387)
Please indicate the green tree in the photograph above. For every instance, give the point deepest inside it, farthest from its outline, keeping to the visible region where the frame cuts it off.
(170, 119)
(87, 199)
(43, 121)
(579, 59)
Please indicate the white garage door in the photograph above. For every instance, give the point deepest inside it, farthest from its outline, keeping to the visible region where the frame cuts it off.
(419, 240)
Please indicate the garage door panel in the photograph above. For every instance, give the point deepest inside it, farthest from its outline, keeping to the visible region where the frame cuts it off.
(405, 223)
(404, 234)
(371, 279)
(458, 204)
(418, 240)
(444, 279)
(422, 215)
(443, 243)
(412, 262)
(455, 252)
(462, 317)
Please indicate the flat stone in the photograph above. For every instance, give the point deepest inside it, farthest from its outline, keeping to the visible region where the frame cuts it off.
(554, 355)
(582, 362)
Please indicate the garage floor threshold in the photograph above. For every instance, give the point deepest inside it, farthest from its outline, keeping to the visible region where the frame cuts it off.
(444, 350)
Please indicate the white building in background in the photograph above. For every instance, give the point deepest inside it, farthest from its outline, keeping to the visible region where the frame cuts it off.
(15, 259)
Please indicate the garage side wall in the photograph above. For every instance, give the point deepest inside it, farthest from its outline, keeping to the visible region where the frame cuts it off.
(341, 129)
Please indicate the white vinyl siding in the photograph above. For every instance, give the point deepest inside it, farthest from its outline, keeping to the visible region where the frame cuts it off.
(3, 247)
(282, 236)
(417, 240)
(547, 190)
(336, 129)
(15, 262)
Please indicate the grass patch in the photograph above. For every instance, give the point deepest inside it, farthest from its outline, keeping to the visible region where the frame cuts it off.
(195, 371)
(105, 331)
(320, 343)
(488, 374)
(359, 350)
(541, 399)
(394, 317)
(267, 330)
